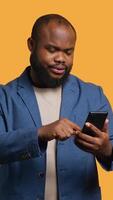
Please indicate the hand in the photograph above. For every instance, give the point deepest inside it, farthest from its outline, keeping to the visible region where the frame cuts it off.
(61, 129)
(99, 145)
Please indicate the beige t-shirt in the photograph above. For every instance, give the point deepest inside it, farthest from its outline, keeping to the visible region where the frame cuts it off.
(49, 101)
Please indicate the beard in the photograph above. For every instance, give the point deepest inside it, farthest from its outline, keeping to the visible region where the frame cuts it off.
(44, 79)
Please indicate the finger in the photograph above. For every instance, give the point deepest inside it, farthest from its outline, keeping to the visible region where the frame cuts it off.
(67, 129)
(62, 134)
(105, 128)
(71, 131)
(73, 125)
(67, 122)
(86, 138)
(97, 131)
(85, 145)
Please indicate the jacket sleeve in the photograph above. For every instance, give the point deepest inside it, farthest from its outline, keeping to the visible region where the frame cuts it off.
(20, 144)
(106, 163)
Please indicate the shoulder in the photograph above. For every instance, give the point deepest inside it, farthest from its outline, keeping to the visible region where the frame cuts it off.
(7, 89)
(7, 92)
(89, 92)
(86, 86)
(14, 85)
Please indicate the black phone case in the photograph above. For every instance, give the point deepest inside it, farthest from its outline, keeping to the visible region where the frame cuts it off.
(97, 119)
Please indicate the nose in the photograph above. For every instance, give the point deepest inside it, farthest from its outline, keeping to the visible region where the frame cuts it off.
(59, 58)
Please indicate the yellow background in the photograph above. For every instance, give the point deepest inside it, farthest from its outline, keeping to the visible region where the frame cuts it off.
(93, 56)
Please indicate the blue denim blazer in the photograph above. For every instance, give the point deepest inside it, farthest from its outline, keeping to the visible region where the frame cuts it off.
(23, 160)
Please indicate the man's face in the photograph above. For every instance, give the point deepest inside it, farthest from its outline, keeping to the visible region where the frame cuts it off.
(52, 58)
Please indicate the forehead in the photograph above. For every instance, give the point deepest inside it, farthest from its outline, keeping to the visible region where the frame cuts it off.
(57, 34)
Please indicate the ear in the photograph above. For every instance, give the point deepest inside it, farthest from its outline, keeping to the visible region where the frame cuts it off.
(31, 44)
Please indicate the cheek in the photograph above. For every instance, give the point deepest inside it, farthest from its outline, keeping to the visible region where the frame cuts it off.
(45, 58)
(70, 61)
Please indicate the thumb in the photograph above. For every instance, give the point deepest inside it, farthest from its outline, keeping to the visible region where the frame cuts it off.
(105, 127)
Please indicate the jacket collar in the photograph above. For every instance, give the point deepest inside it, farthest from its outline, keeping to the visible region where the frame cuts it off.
(70, 96)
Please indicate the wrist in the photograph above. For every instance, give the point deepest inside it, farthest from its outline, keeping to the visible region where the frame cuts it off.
(109, 150)
(42, 142)
(41, 134)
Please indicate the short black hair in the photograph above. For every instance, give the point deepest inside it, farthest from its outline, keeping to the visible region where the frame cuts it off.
(45, 19)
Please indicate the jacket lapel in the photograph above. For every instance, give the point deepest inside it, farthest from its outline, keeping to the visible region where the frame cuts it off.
(70, 98)
(26, 92)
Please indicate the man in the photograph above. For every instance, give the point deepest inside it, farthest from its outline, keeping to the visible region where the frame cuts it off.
(43, 153)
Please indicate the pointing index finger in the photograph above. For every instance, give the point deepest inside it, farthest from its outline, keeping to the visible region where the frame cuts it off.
(73, 125)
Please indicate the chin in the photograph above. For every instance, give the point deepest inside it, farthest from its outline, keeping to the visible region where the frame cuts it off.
(56, 76)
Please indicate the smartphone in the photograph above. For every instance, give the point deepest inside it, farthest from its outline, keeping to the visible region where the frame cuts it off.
(97, 119)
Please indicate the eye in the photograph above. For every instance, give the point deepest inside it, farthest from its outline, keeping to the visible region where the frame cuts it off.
(69, 51)
(51, 49)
